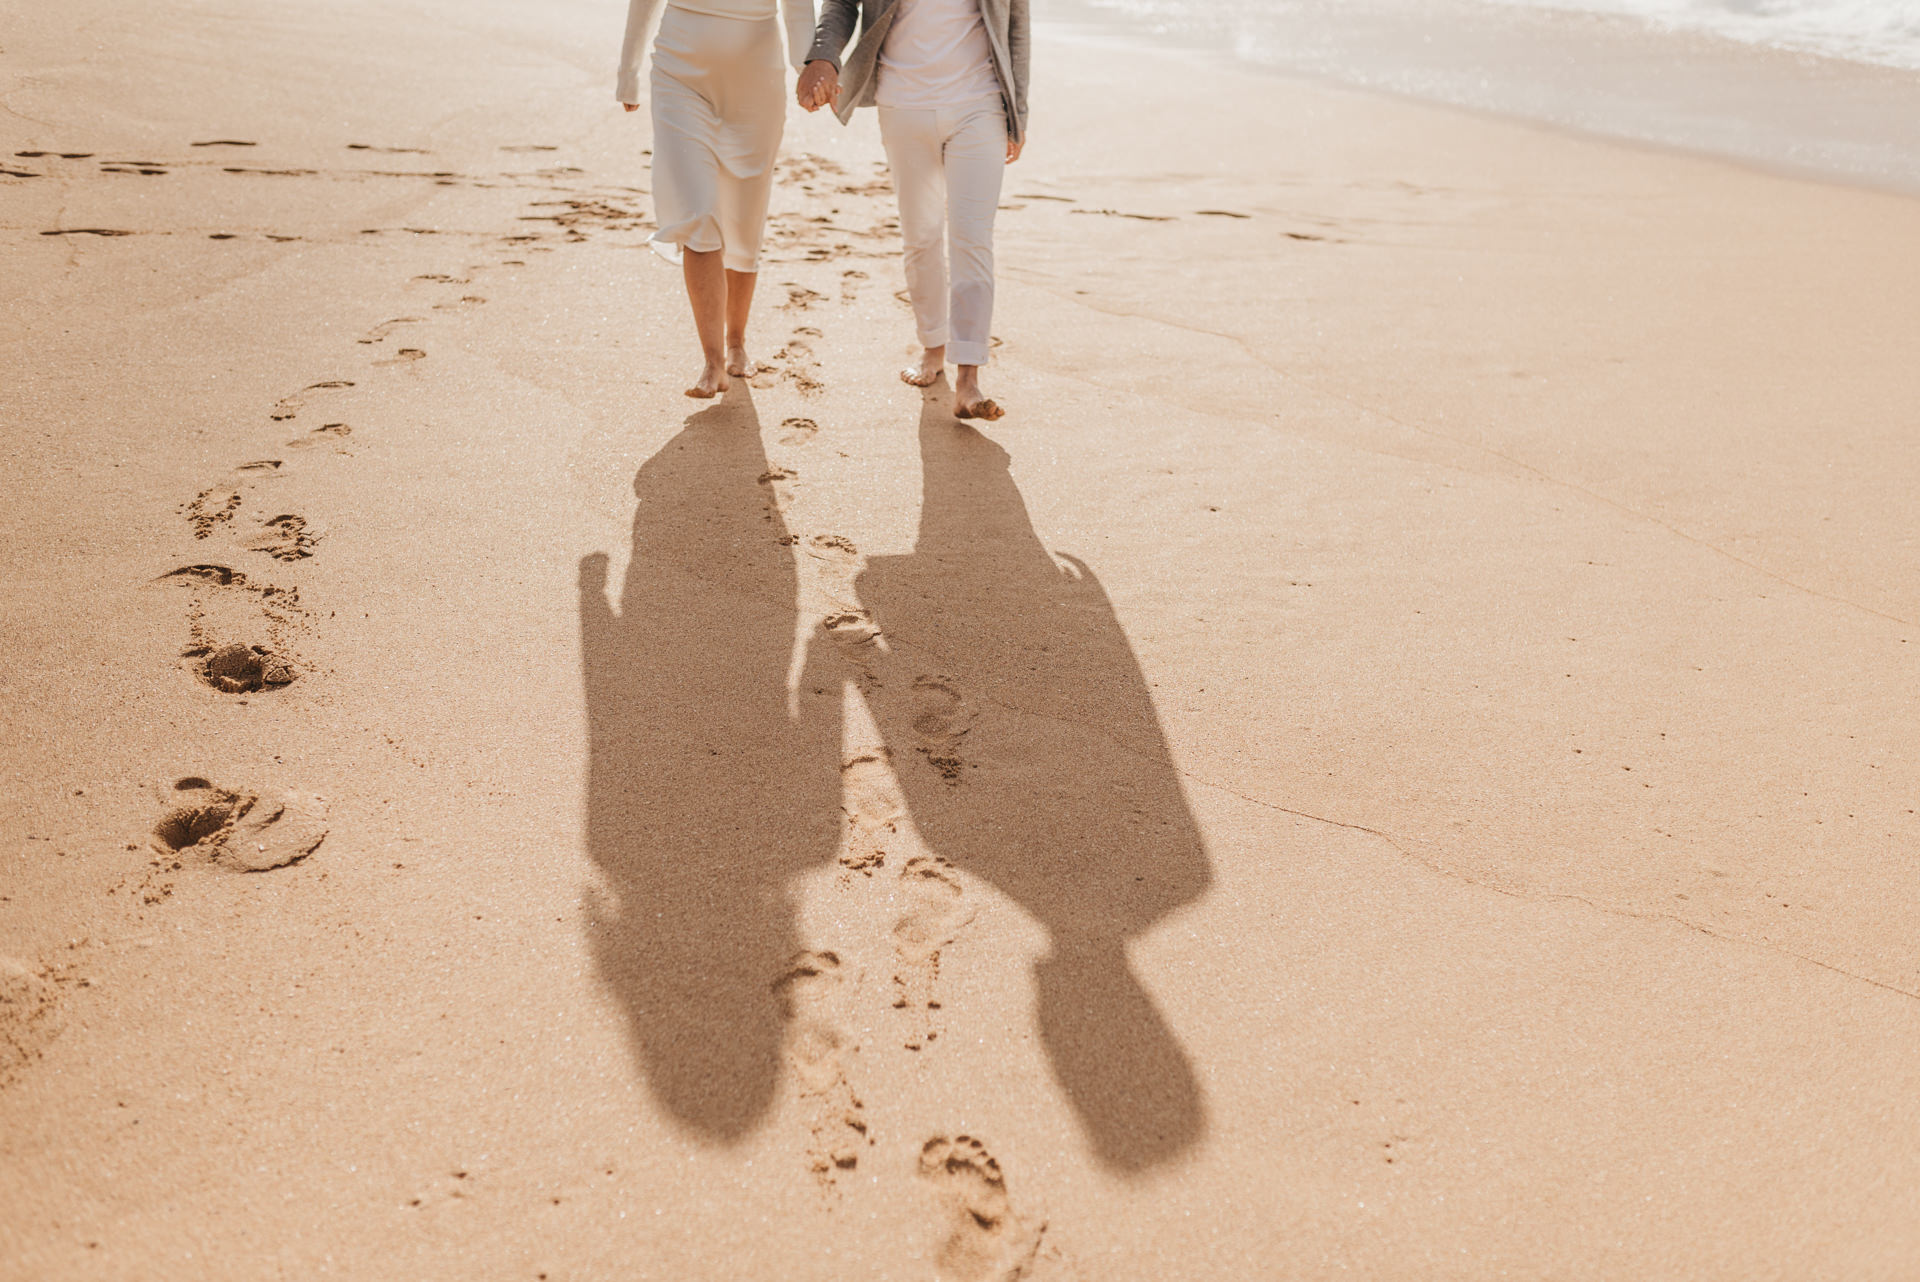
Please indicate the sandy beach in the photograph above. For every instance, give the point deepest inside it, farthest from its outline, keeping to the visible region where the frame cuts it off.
(1396, 759)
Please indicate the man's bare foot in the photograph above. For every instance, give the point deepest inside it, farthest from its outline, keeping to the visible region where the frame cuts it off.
(933, 363)
(982, 408)
(739, 364)
(969, 401)
(713, 381)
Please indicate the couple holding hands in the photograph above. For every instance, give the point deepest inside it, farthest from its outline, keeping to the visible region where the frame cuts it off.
(950, 80)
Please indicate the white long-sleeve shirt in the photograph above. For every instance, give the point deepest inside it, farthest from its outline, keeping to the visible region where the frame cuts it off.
(798, 15)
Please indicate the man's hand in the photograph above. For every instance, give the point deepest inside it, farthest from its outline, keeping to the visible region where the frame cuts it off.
(1014, 149)
(819, 85)
(631, 106)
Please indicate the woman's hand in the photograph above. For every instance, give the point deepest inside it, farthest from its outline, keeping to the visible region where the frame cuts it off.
(819, 85)
(1014, 149)
(631, 106)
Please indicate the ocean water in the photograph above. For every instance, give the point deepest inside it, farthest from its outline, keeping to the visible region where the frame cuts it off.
(1886, 32)
(1825, 87)
(1883, 32)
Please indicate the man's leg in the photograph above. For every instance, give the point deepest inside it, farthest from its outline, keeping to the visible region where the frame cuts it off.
(913, 154)
(976, 164)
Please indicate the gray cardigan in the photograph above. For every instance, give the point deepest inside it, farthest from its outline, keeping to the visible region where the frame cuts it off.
(1006, 23)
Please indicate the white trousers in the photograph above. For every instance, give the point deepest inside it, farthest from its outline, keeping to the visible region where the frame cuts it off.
(947, 167)
(719, 108)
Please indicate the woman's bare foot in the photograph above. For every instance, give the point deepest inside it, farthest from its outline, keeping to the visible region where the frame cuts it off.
(713, 381)
(739, 364)
(933, 363)
(969, 401)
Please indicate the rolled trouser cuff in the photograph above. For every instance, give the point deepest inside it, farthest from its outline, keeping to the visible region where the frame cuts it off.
(967, 353)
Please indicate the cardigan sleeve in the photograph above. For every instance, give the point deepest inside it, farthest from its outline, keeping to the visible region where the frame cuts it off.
(633, 48)
(1018, 42)
(838, 18)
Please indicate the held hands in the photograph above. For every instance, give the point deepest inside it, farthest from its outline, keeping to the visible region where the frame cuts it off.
(819, 85)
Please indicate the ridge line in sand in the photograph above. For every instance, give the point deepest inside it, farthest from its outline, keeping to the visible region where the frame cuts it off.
(1436, 868)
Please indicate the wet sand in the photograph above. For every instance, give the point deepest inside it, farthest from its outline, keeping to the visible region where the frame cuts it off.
(1396, 758)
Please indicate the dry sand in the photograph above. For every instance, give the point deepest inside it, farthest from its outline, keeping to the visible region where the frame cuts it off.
(1397, 759)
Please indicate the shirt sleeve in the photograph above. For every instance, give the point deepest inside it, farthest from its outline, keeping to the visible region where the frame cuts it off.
(799, 23)
(633, 48)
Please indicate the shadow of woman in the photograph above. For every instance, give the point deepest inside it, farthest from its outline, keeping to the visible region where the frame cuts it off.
(707, 792)
(1030, 755)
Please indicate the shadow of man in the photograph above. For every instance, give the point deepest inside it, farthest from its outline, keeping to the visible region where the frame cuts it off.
(1030, 754)
(707, 794)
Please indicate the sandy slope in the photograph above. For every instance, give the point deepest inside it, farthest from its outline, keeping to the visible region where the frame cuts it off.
(1397, 758)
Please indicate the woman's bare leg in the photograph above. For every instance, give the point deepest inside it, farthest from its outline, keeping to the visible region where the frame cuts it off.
(710, 296)
(739, 303)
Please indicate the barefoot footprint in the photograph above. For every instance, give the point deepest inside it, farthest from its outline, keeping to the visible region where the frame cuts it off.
(811, 988)
(937, 910)
(982, 1239)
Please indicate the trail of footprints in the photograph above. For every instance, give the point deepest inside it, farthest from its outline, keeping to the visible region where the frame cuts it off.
(243, 628)
(243, 631)
(975, 1234)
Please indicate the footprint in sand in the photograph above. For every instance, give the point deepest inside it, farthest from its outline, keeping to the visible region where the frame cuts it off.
(800, 298)
(793, 363)
(834, 549)
(812, 989)
(836, 561)
(850, 284)
(289, 406)
(937, 910)
(210, 509)
(388, 151)
(29, 998)
(286, 538)
(982, 1240)
(379, 333)
(236, 668)
(227, 615)
(325, 434)
(217, 505)
(405, 356)
(237, 829)
(941, 719)
(871, 800)
(797, 431)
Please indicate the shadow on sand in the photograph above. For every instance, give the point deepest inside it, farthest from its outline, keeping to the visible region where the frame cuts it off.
(707, 797)
(1021, 731)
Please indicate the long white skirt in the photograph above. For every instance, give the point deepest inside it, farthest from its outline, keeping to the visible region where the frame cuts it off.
(719, 106)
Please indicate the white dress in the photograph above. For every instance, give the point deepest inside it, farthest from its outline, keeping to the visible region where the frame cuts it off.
(718, 99)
